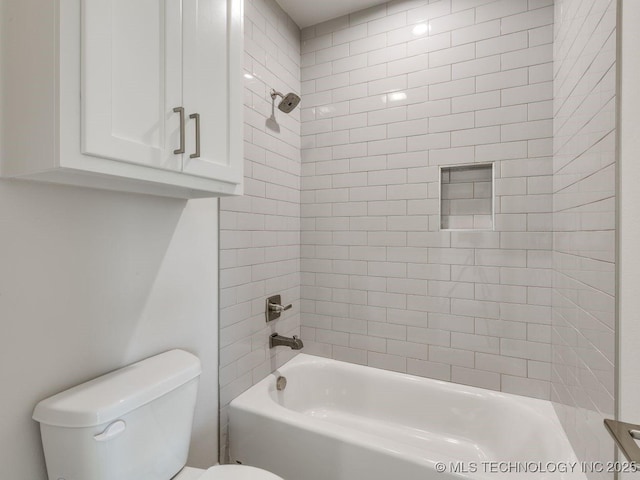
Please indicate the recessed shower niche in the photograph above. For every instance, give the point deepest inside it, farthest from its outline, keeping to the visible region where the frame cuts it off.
(466, 197)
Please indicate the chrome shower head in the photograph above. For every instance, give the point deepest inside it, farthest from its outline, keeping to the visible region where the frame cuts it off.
(288, 102)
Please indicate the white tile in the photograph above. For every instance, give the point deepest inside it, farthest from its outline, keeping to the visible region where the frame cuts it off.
(387, 177)
(387, 116)
(527, 94)
(347, 64)
(428, 44)
(316, 71)
(448, 123)
(528, 20)
(476, 378)
(531, 56)
(390, 22)
(452, 323)
(387, 54)
(499, 81)
(349, 34)
(541, 35)
(438, 371)
(365, 134)
(429, 12)
(527, 130)
(479, 66)
(451, 22)
(501, 116)
(368, 104)
(367, 343)
(328, 83)
(368, 44)
(413, 63)
(409, 128)
(457, 5)
(477, 101)
(368, 14)
(423, 143)
(524, 349)
(480, 31)
(501, 8)
(351, 355)
(475, 308)
(501, 328)
(429, 336)
(346, 122)
(475, 343)
(541, 73)
(451, 55)
(332, 53)
(504, 43)
(315, 43)
(408, 349)
(538, 370)
(387, 362)
(382, 147)
(433, 108)
(387, 85)
(429, 76)
(451, 356)
(331, 25)
(526, 386)
(387, 330)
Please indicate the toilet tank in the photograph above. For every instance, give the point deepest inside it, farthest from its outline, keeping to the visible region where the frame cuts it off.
(131, 424)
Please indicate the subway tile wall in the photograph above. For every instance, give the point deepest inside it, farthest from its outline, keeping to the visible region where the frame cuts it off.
(390, 94)
(583, 334)
(260, 231)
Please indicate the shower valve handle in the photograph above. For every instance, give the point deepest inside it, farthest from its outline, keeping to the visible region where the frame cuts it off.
(275, 307)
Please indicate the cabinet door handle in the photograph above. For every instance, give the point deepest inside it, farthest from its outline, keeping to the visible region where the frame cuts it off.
(197, 117)
(180, 110)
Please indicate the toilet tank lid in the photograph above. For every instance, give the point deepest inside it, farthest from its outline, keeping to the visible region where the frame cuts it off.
(115, 394)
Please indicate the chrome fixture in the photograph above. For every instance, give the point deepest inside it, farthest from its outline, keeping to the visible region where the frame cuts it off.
(275, 308)
(193, 116)
(294, 343)
(288, 102)
(180, 149)
(625, 435)
(196, 116)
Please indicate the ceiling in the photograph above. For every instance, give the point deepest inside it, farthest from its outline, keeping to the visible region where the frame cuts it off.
(310, 12)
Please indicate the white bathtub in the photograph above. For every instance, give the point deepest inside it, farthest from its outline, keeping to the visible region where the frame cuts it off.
(338, 421)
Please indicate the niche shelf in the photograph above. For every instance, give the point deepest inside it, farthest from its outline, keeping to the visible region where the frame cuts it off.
(466, 197)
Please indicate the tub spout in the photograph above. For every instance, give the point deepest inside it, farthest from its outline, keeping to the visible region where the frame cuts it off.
(294, 343)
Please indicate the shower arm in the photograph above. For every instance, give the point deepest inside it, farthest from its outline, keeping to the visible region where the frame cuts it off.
(275, 93)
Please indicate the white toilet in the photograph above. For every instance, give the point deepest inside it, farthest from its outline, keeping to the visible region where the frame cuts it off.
(131, 424)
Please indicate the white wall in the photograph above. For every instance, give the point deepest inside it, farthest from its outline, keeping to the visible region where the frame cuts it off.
(91, 281)
(391, 94)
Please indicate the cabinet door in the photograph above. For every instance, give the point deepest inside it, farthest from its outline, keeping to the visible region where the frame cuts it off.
(132, 81)
(212, 88)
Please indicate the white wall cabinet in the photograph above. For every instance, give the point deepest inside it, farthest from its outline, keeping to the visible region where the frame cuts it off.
(142, 96)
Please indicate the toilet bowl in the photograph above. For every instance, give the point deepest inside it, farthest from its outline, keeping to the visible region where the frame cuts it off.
(226, 472)
(131, 424)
